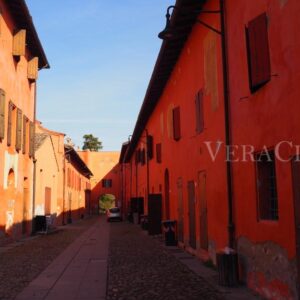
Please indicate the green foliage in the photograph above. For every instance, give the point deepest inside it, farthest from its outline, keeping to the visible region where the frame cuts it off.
(106, 202)
(91, 143)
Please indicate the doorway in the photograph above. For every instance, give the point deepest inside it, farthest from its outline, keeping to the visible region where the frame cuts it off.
(203, 210)
(192, 211)
(167, 195)
(180, 227)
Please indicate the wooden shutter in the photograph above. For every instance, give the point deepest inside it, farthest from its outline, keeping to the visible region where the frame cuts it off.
(9, 123)
(2, 114)
(158, 153)
(137, 156)
(32, 69)
(176, 123)
(19, 43)
(24, 145)
(199, 112)
(150, 146)
(143, 156)
(31, 139)
(19, 130)
(258, 52)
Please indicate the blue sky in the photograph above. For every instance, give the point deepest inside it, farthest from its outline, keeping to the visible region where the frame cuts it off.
(101, 55)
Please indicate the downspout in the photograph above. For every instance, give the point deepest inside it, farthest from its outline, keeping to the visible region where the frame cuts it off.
(148, 170)
(34, 162)
(228, 136)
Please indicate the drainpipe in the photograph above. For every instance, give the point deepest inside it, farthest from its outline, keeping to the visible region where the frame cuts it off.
(34, 162)
(228, 136)
(148, 170)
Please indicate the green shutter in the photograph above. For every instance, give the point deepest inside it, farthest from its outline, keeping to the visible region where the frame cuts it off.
(31, 138)
(19, 130)
(9, 123)
(2, 114)
(24, 145)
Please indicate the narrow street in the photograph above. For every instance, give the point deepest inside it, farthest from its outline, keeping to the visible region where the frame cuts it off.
(116, 260)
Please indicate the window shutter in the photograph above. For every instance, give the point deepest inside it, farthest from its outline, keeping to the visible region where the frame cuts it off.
(2, 114)
(24, 145)
(176, 123)
(143, 156)
(19, 43)
(32, 69)
(31, 139)
(150, 146)
(19, 130)
(137, 156)
(158, 153)
(199, 112)
(258, 52)
(9, 123)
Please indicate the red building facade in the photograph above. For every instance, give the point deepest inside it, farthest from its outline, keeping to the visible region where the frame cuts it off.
(231, 83)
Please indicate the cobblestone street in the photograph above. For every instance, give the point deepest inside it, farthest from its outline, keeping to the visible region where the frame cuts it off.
(141, 268)
(23, 261)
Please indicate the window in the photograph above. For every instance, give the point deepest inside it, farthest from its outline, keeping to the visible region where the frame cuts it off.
(2, 114)
(150, 146)
(266, 186)
(19, 130)
(19, 43)
(31, 139)
(158, 153)
(258, 52)
(176, 123)
(25, 134)
(143, 156)
(10, 124)
(107, 183)
(199, 112)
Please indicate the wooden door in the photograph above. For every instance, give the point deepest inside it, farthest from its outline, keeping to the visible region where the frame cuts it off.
(296, 192)
(47, 201)
(154, 213)
(192, 202)
(203, 210)
(25, 210)
(167, 195)
(180, 226)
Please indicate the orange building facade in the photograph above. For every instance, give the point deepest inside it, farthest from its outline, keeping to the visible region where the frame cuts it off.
(216, 143)
(21, 57)
(106, 180)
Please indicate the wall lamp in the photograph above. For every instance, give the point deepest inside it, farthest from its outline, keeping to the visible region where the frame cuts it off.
(170, 33)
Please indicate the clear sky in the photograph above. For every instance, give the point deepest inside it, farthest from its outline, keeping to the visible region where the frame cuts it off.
(101, 54)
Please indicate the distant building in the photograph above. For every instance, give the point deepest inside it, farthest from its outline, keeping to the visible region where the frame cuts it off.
(106, 179)
(21, 57)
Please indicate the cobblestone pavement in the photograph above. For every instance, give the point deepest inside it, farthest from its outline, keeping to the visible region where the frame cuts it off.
(22, 263)
(140, 268)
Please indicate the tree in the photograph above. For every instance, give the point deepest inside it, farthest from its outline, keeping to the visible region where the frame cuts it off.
(91, 142)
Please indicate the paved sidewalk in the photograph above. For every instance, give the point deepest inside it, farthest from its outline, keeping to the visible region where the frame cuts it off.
(79, 273)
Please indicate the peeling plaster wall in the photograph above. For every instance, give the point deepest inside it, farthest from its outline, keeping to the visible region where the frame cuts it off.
(10, 162)
(267, 270)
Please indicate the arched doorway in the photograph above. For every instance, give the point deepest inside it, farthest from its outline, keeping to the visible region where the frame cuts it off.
(11, 192)
(106, 201)
(167, 195)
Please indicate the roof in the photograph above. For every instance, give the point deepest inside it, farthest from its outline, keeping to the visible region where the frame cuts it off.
(167, 58)
(39, 140)
(23, 20)
(80, 163)
(123, 152)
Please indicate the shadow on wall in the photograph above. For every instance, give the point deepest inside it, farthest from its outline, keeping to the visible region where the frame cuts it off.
(22, 229)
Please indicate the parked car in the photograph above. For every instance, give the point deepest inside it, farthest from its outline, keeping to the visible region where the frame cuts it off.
(113, 214)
